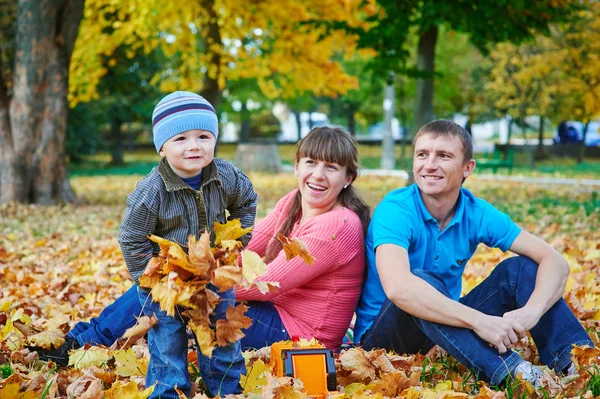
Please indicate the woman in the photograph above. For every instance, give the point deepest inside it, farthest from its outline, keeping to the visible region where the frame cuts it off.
(326, 213)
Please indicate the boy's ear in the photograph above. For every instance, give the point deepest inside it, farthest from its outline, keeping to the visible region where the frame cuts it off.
(161, 153)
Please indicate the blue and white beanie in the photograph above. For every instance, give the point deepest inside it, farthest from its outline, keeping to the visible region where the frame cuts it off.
(179, 112)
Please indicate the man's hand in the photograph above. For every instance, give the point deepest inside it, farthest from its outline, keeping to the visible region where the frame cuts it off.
(525, 316)
(501, 333)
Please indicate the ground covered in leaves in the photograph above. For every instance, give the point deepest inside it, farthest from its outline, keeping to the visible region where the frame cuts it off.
(62, 264)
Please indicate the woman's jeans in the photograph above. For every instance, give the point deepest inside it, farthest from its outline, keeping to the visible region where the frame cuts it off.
(168, 345)
(111, 323)
(507, 288)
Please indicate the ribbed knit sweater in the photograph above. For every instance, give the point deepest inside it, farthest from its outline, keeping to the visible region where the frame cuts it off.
(315, 300)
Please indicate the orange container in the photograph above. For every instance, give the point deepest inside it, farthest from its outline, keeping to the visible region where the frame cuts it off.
(313, 365)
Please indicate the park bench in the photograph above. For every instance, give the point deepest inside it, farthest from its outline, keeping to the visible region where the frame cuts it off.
(499, 159)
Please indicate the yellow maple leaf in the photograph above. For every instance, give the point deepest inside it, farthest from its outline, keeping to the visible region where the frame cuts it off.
(129, 365)
(230, 245)
(252, 265)
(295, 247)
(205, 337)
(86, 357)
(200, 255)
(46, 339)
(230, 329)
(171, 293)
(228, 276)
(255, 377)
(232, 230)
(127, 391)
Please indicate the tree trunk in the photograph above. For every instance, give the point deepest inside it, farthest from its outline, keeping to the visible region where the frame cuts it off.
(33, 163)
(351, 113)
(510, 127)
(424, 86)
(581, 152)
(298, 124)
(116, 141)
(388, 160)
(211, 90)
(245, 130)
(541, 151)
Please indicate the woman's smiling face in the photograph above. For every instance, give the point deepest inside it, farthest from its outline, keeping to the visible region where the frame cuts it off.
(320, 183)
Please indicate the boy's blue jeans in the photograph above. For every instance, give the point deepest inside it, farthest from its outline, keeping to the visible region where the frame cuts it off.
(112, 322)
(168, 345)
(507, 288)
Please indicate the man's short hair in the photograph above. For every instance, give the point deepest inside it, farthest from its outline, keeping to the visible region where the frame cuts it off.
(446, 128)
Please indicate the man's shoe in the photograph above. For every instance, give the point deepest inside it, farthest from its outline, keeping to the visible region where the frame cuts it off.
(529, 373)
(58, 355)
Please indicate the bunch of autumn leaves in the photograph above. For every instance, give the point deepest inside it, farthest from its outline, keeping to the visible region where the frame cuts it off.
(189, 283)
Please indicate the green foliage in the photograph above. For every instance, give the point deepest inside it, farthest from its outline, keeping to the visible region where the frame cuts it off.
(6, 370)
(264, 125)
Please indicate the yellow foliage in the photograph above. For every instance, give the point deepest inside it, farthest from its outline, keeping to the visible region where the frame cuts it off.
(232, 230)
(286, 56)
(255, 377)
(127, 391)
(86, 357)
(129, 365)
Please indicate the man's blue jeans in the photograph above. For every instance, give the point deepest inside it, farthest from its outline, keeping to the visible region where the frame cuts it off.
(111, 323)
(507, 288)
(168, 345)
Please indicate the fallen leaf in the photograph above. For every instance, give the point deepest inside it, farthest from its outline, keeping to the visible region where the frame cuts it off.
(87, 356)
(47, 339)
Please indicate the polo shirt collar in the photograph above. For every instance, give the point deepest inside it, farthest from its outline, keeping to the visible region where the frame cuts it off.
(458, 215)
(174, 182)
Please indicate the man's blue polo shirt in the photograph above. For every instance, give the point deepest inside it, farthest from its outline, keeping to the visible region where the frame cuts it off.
(402, 219)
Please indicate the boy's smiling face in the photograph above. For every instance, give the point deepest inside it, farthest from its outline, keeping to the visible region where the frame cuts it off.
(189, 152)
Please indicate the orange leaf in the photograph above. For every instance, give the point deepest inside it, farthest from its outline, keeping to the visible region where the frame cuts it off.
(228, 276)
(230, 329)
(205, 337)
(200, 255)
(143, 325)
(294, 248)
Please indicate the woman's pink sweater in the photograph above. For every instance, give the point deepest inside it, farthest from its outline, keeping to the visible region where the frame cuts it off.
(317, 300)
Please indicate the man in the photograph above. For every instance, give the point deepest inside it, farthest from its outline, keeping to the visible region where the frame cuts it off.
(418, 243)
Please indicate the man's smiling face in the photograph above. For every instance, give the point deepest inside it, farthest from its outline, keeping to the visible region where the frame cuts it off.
(439, 165)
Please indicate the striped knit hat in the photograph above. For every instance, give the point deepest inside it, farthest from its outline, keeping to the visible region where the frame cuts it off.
(179, 112)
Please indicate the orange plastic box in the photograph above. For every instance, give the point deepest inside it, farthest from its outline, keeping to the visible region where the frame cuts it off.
(313, 365)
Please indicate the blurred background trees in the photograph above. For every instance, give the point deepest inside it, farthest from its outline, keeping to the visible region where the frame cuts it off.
(438, 58)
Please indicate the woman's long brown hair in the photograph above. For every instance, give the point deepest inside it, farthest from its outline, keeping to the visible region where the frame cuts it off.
(328, 144)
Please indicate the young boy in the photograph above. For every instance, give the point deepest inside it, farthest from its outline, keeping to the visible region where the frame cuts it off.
(184, 195)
